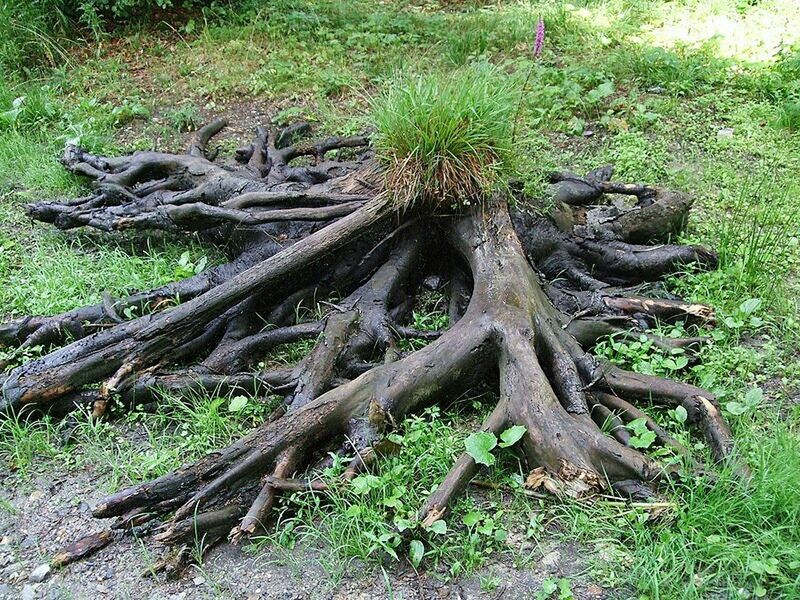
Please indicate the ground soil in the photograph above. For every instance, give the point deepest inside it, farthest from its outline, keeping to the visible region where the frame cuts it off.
(50, 507)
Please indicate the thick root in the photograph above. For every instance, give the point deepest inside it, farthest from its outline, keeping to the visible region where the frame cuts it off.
(527, 299)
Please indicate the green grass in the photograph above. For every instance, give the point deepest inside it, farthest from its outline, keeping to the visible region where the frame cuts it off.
(445, 138)
(709, 110)
(368, 520)
(722, 537)
(140, 445)
(64, 273)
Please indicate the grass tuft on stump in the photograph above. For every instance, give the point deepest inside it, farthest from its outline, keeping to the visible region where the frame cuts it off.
(445, 138)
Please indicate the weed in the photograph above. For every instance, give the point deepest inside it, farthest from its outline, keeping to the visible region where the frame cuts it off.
(790, 116)
(428, 315)
(367, 519)
(25, 442)
(183, 119)
(643, 356)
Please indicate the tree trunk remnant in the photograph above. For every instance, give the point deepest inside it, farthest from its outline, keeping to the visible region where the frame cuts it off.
(530, 295)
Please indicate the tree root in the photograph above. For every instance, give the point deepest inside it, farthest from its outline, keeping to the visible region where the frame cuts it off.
(528, 298)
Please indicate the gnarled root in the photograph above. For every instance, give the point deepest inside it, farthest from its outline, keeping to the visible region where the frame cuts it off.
(529, 296)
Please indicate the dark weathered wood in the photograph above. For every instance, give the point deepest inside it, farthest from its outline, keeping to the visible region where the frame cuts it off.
(528, 297)
(84, 547)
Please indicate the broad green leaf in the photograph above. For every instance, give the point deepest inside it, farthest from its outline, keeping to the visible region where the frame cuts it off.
(237, 403)
(471, 518)
(364, 483)
(753, 397)
(643, 440)
(680, 414)
(549, 586)
(354, 510)
(201, 264)
(439, 527)
(736, 408)
(637, 426)
(772, 567)
(757, 566)
(750, 306)
(479, 446)
(416, 550)
(512, 435)
(733, 323)
(403, 524)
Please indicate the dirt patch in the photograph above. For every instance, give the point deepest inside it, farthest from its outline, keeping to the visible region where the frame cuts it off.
(51, 508)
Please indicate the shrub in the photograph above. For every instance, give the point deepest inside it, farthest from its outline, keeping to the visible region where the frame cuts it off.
(35, 32)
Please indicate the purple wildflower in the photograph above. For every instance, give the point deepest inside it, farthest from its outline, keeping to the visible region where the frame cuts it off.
(537, 45)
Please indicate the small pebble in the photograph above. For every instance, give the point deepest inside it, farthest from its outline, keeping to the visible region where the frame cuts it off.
(29, 592)
(595, 590)
(550, 560)
(199, 580)
(28, 542)
(725, 132)
(55, 593)
(39, 574)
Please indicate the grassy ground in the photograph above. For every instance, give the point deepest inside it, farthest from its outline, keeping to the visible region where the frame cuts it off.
(701, 96)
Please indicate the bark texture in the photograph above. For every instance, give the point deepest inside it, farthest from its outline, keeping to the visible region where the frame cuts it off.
(530, 293)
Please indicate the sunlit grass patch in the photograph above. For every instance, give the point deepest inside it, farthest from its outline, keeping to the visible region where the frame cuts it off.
(741, 30)
(60, 273)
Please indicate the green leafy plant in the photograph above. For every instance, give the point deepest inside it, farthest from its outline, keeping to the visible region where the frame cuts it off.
(480, 444)
(642, 436)
(642, 355)
(752, 399)
(187, 267)
(555, 588)
(744, 315)
(416, 551)
(184, 118)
